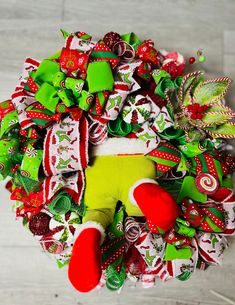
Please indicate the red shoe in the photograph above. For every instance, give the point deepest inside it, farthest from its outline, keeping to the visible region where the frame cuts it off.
(158, 206)
(84, 270)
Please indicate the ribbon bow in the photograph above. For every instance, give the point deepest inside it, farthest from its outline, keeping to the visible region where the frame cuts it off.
(55, 86)
(164, 82)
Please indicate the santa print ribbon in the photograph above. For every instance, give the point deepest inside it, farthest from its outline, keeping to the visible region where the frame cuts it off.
(146, 134)
(53, 184)
(211, 247)
(125, 74)
(178, 267)
(73, 42)
(116, 100)
(30, 65)
(65, 147)
(21, 100)
(151, 247)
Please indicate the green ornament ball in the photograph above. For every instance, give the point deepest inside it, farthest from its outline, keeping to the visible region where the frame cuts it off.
(201, 58)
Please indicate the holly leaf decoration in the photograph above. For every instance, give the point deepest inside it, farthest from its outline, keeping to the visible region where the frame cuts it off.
(226, 130)
(216, 117)
(187, 99)
(187, 83)
(211, 91)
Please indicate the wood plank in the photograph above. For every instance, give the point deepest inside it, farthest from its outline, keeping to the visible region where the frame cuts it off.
(28, 9)
(35, 278)
(229, 42)
(229, 70)
(147, 14)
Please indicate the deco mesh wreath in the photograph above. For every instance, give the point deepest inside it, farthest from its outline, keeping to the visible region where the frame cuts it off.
(118, 161)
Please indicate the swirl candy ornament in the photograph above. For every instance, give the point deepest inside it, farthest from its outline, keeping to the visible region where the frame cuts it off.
(206, 183)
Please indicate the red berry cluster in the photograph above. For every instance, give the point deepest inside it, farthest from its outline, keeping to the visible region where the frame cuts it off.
(196, 110)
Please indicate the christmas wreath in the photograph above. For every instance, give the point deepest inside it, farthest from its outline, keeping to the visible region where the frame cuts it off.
(118, 161)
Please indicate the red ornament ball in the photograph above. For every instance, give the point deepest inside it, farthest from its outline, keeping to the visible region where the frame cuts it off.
(192, 60)
(39, 224)
(111, 38)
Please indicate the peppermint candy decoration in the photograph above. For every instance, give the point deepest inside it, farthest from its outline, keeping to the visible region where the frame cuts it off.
(63, 227)
(12, 122)
(31, 152)
(206, 183)
(136, 110)
(132, 229)
(11, 151)
(25, 173)
(2, 166)
(97, 133)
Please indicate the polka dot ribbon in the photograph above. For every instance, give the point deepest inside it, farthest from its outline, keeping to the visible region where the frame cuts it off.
(166, 157)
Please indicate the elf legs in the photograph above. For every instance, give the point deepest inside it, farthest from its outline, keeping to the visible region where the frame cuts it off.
(109, 179)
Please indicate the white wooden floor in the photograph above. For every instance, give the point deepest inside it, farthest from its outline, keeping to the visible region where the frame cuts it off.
(30, 28)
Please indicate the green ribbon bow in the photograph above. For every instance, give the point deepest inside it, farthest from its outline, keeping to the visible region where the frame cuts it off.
(171, 253)
(163, 81)
(61, 204)
(132, 39)
(119, 127)
(189, 189)
(182, 227)
(115, 279)
(172, 134)
(55, 86)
